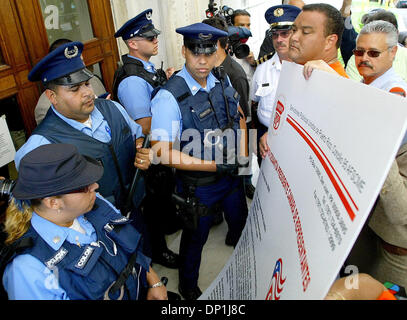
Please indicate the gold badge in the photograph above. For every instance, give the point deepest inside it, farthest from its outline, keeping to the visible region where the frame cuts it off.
(278, 12)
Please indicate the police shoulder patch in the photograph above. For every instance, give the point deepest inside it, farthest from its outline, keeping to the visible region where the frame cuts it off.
(61, 253)
(399, 91)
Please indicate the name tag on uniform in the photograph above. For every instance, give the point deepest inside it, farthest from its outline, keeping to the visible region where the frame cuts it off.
(265, 84)
(205, 113)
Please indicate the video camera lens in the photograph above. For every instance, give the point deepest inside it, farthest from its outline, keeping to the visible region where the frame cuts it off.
(241, 50)
(228, 10)
(6, 187)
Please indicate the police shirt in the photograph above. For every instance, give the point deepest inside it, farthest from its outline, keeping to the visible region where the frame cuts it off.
(27, 278)
(43, 103)
(134, 93)
(390, 82)
(264, 87)
(100, 130)
(166, 122)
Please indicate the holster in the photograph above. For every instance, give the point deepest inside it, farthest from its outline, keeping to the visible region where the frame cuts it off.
(190, 209)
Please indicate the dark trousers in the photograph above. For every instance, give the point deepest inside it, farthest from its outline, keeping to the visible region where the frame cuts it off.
(229, 192)
(138, 222)
(159, 212)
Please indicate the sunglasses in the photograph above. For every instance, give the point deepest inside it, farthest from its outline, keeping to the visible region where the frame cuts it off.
(283, 34)
(152, 38)
(370, 53)
(84, 189)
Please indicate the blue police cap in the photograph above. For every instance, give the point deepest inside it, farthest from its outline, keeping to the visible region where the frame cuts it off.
(281, 16)
(140, 26)
(201, 38)
(63, 66)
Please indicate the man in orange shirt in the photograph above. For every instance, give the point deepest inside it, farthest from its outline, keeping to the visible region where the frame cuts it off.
(317, 35)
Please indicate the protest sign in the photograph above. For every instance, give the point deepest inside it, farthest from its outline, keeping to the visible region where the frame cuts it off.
(332, 143)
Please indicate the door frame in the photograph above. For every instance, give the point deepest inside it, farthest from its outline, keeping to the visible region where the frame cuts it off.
(22, 49)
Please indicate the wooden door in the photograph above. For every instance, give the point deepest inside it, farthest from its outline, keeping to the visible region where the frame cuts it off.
(26, 28)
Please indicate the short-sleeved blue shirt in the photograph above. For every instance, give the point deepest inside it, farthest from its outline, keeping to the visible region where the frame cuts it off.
(27, 278)
(166, 123)
(134, 93)
(100, 131)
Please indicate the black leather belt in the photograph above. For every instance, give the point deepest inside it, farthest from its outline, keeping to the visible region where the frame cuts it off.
(198, 181)
(399, 251)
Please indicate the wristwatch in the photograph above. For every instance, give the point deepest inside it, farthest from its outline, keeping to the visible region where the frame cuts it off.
(156, 285)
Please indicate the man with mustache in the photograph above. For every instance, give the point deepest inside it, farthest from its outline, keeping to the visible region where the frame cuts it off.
(267, 75)
(381, 249)
(99, 128)
(376, 48)
(349, 40)
(43, 103)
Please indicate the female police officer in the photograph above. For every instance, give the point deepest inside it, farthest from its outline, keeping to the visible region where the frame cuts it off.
(82, 247)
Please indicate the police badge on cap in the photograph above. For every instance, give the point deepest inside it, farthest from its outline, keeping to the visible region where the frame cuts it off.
(281, 16)
(139, 26)
(63, 66)
(201, 38)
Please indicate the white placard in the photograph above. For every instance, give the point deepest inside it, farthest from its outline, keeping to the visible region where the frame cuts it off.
(332, 143)
(7, 150)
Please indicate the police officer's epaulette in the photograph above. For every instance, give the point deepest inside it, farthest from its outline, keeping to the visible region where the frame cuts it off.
(264, 58)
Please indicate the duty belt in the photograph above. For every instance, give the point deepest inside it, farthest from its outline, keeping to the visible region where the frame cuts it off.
(198, 181)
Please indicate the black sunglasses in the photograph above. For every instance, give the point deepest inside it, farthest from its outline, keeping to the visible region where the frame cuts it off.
(151, 38)
(370, 53)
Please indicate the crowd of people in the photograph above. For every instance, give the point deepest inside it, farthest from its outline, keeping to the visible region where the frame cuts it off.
(104, 178)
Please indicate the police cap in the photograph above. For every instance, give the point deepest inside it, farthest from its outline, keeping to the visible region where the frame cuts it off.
(63, 66)
(201, 38)
(139, 26)
(281, 16)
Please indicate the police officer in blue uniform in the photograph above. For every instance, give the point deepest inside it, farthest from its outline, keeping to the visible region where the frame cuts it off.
(99, 128)
(137, 77)
(132, 87)
(196, 122)
(73, 243)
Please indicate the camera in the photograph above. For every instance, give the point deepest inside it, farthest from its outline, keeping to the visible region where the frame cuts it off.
(224, 12)
(6, 187)
(236, 35)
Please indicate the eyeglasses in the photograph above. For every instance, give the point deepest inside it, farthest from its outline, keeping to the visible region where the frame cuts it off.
(84, 189)
(370, 53)
(282, 33)
(152, 38)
